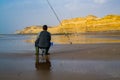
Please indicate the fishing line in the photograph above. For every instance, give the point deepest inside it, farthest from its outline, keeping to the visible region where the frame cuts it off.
(58, 20)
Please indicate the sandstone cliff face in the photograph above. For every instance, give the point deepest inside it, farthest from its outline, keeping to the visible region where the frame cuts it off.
(30, 30)
(89, 23)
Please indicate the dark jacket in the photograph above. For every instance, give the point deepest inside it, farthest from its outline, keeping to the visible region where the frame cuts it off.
(43, 39)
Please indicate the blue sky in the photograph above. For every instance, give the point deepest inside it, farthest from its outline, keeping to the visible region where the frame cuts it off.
(18, 14)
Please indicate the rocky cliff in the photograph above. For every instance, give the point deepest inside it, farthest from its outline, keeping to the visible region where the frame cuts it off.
(89, 23)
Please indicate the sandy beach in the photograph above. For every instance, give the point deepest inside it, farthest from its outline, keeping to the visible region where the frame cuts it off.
(66, 62)
(83, 37)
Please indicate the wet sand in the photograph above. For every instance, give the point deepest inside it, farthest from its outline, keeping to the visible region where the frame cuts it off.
(66, 62)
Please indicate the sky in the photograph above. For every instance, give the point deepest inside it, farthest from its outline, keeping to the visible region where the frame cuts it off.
(18, 14)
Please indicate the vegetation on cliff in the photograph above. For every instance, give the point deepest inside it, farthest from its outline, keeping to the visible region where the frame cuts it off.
(89, 23)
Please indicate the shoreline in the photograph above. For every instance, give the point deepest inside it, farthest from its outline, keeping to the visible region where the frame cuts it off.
(109, 51)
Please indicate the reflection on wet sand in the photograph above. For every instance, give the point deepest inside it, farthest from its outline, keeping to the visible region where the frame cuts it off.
(42, 63)
(43, 67)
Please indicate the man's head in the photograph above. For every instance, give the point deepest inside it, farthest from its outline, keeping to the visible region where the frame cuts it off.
(45, 27)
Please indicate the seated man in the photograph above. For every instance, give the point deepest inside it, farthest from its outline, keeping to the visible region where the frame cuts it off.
(43, 40)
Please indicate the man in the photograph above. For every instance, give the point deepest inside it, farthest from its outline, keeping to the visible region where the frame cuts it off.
(43, 40)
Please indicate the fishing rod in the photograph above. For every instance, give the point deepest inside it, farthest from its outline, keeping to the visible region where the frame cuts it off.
(58, 19)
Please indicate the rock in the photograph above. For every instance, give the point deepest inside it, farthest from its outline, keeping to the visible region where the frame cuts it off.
(89, 23)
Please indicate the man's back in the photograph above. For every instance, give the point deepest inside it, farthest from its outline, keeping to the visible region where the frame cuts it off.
(44, 39)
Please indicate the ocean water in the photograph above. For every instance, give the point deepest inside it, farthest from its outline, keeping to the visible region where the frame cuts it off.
(12, 43)
(15, 43)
